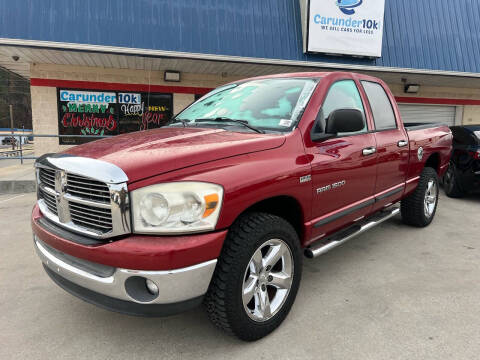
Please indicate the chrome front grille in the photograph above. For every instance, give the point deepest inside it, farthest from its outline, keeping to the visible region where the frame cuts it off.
(47, 177)
(87, 188)
(49, 201)
(93, 217)
(79, 202)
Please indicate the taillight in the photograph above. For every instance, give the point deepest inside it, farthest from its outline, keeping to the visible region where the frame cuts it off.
(475, 154)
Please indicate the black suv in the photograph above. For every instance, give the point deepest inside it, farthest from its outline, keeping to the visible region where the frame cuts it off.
(463, 174)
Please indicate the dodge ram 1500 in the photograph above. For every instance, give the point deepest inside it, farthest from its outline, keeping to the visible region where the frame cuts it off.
(221, 205)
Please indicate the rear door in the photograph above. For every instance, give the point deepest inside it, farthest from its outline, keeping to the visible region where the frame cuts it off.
(343, 175)
(391, 144)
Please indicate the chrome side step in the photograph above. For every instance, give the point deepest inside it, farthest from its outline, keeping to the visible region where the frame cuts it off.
(327, 244)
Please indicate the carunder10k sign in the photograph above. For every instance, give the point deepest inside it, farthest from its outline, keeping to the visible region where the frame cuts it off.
(349, 27)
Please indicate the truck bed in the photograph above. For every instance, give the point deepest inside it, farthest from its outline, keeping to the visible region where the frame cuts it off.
(421, 125)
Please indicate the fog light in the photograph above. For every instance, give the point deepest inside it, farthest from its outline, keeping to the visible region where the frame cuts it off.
(152, 287)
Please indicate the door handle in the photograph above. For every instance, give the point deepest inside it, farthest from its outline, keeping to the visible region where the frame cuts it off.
(369, 151)
(402, 143)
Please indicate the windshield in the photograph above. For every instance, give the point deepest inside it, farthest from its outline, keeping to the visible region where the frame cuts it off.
(268, 104)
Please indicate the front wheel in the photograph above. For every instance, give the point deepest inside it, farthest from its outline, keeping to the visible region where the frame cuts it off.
(257, 276)
(418, 209)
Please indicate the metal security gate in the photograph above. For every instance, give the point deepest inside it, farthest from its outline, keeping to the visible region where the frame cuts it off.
(427, 113)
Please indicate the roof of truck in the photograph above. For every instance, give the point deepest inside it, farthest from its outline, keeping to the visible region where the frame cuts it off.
(312, 74)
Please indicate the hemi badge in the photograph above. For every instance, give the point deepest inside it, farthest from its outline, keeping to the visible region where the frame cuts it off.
(306, 178)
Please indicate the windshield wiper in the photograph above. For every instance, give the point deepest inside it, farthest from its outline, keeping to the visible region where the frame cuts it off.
(175, 120)
(225, 119)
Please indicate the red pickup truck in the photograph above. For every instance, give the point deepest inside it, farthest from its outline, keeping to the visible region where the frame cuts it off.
(220, 205)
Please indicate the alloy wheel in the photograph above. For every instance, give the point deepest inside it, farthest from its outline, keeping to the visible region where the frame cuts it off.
(430, 200)
(267, 280)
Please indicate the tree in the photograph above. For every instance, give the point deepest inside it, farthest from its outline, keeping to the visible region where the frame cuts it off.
(15, 90)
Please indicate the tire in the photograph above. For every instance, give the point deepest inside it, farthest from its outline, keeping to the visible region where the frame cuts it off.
(450, 182)
(250, 236)
(414, 209)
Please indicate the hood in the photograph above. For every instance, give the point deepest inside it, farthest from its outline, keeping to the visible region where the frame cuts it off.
(148, 153)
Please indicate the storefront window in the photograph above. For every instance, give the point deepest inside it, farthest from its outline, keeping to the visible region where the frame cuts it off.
(92, 112)
(152, 111)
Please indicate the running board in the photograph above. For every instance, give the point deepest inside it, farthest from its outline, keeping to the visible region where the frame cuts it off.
(325, 245)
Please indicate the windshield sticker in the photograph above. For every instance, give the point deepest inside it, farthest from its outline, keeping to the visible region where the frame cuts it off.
(285, 122)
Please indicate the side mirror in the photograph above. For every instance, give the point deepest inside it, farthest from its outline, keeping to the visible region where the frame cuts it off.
(339, 121)
(345, 121)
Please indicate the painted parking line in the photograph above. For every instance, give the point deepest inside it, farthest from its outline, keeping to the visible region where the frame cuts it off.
(15, 197)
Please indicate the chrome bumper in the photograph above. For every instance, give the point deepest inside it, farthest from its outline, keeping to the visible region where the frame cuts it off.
(173, 285)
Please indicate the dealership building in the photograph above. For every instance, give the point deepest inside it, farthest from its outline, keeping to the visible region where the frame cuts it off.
(109, 67)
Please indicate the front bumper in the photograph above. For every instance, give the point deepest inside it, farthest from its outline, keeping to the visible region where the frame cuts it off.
(114, 275)
(141, 252)
(173, 285)
(122, 306)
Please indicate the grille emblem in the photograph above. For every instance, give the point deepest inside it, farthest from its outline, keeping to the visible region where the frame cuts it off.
(61, 189)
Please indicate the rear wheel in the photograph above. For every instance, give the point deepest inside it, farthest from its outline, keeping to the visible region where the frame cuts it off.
(257, 277)
(418, 209)
(450, 182)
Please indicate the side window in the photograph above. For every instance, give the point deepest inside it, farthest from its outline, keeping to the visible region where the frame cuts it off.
(342, 95)
(381, 107)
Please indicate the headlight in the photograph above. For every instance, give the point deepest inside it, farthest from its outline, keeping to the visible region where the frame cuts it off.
(178, 207)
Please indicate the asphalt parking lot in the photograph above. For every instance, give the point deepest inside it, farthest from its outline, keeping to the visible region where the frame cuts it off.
(393, 293)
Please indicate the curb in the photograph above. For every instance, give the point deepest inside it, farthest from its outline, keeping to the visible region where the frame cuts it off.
(17, 186)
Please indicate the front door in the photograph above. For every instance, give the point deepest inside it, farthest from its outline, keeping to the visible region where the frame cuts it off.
(343, 168)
